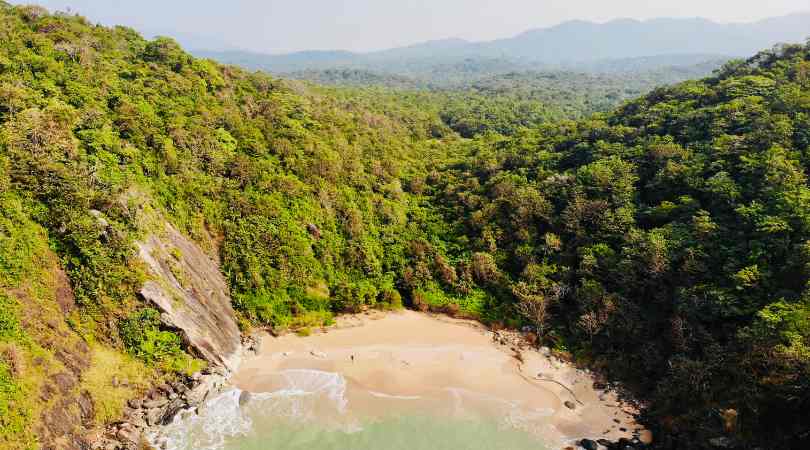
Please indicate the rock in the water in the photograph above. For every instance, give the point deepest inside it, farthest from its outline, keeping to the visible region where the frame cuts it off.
(588, 444)
(171, 410)
(720, 442)
(197, 395)
(244, 398)
(569, 404)
(154, 416)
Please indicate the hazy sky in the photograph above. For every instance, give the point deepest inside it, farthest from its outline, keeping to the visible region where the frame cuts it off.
(274, 26)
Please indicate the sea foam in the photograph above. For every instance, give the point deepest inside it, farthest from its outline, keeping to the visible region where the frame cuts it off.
(222, 418)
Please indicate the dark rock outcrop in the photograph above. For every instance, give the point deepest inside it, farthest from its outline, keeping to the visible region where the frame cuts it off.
(159, 407)
(588, 444)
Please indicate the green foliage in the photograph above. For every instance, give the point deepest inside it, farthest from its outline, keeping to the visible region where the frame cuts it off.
(9, 323)
(286, 308)
(14, 418)
(143, 337)
(674, 233)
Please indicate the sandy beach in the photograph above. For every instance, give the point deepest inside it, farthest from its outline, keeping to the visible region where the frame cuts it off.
(394, 363)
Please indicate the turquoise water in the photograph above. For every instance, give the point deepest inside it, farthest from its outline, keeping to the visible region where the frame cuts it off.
(411, 433)
(317, 410)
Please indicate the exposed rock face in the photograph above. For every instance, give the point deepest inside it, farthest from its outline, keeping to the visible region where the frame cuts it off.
(189, 290)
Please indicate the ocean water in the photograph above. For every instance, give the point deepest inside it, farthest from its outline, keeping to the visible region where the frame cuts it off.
(317, 410)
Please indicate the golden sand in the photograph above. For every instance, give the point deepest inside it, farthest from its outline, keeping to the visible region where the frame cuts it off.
(411, 362)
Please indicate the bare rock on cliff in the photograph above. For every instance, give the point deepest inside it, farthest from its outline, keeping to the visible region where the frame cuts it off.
(189, 290)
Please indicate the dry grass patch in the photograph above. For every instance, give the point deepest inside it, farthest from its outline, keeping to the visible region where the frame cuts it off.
(112, 379)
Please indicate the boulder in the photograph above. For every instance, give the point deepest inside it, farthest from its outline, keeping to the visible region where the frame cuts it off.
(197, 395)
(129, 435)
(171, 410)
(157, 403)
(588, 444)
(570, 405)
(154, 416)
(138, 421)
(244, 398)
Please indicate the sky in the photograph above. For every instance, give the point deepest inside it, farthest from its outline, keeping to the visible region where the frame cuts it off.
(280, 26)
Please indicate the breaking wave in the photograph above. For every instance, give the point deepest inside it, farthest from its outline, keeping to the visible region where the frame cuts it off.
(301, 392)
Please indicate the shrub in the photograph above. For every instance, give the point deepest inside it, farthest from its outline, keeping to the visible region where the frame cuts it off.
(390, 299)
(144, 338)
(15, 414)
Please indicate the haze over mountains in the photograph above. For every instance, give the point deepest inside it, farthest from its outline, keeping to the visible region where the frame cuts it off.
(574, 44)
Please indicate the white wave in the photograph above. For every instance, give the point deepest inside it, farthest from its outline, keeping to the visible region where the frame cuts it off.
(513, 414)
(222, 418)
(395, 397)
(304, 382)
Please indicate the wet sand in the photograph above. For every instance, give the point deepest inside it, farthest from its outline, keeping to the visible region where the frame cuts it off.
(396, 363)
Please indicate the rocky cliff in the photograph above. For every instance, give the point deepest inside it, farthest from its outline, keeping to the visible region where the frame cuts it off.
(189, 290)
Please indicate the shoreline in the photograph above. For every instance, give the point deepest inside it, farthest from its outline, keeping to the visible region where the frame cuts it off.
(412, 355)
(146, 416)
(578, 409)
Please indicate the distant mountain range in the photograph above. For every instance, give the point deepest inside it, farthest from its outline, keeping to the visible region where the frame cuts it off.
(570, 45)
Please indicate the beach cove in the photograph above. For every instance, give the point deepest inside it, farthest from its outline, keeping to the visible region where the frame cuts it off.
(402, 380)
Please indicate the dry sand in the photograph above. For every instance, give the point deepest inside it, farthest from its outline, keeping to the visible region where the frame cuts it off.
(412, 362)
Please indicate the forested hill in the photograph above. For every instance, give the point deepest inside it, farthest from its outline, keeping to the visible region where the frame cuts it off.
(303, 197)
(665, 244)
(576, 45)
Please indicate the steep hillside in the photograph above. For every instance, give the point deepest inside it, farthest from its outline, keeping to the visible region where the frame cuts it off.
(109, 143)
(667, 244)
